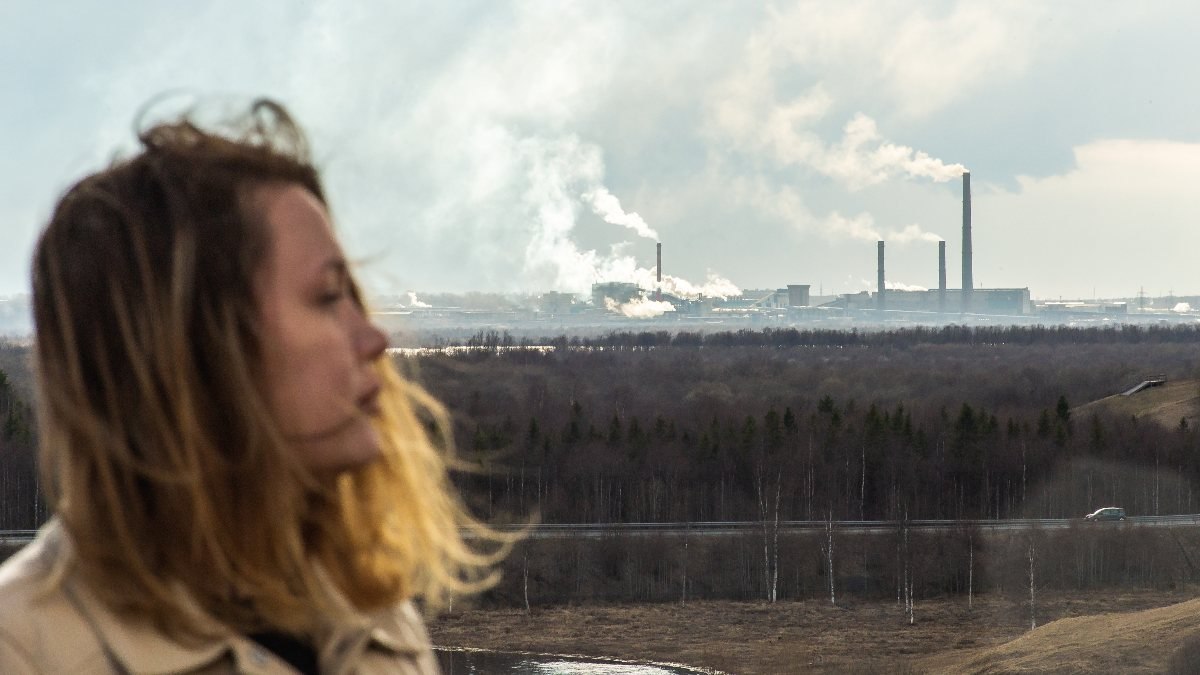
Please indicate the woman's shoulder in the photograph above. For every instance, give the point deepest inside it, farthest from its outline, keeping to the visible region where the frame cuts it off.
(27, 578)
(40, 629)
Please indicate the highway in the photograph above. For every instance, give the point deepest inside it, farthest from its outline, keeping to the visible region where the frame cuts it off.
(9, 538)
(716, 529)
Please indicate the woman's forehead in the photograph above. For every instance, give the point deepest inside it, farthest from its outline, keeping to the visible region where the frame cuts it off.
(301, 235)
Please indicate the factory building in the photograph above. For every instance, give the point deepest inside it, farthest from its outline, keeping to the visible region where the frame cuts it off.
(796, 300)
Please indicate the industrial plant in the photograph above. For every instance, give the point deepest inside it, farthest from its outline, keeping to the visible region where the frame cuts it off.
(625, 305)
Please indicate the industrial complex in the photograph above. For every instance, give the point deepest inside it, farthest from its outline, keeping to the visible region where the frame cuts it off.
(620, 304)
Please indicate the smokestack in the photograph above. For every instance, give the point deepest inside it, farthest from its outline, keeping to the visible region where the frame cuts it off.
(967, 281)
(941, 276)
(880, 298)
(658, 288)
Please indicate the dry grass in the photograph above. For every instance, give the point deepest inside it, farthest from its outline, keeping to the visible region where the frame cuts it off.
(1175, 400)
(862, 637)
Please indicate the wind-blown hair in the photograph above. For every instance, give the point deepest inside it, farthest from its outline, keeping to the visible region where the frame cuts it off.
(157, 450)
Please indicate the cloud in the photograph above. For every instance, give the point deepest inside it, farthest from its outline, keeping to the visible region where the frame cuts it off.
(1118, 214)
(921, 58)
(494, 145)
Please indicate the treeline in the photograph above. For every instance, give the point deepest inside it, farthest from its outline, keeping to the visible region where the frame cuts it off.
(895, 564)
(1125, 334)
(738, 433)
(21, 506)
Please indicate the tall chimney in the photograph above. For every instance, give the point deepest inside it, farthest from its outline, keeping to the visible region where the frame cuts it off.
(880, 298)
(967, 281)
(942, 276)
(658, 288)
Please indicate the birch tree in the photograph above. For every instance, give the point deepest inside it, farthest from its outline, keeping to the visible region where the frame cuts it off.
(1032, 554)
(970, 569)
(827, 551)
(770, 532)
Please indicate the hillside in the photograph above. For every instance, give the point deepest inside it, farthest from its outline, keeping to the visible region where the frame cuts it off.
(1166, 404)
(1142, 641)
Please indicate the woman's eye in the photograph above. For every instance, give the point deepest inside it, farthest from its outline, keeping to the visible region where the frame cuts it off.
(332, 297)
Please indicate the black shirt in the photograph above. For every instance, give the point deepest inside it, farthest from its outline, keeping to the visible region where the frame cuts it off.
(296, 651)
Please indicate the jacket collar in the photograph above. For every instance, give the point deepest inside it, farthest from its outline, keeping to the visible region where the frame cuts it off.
(141, 648)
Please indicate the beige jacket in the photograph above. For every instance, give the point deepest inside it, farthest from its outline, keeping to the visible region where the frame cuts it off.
(68, 630)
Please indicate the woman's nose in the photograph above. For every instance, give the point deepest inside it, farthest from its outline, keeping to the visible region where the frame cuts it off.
(370, 341)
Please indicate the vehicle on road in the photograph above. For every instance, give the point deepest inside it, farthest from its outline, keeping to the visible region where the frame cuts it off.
(1106, 513)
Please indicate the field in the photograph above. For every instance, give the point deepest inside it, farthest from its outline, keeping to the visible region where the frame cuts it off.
(1096, 632)
(1167, 404)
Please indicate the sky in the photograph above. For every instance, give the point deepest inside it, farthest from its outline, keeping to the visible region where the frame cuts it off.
(528, 147)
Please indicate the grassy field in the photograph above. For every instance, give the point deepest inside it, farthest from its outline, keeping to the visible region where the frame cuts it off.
(1095, 632)
(1166, 404)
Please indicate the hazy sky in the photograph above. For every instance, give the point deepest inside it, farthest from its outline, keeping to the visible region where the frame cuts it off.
(505, 146)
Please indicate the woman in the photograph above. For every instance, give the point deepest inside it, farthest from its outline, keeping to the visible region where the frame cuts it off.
(241, 482)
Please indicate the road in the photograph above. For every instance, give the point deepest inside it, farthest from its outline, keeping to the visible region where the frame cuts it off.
(717, 529)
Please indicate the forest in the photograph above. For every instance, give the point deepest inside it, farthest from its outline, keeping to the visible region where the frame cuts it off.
(922, 423)
(780, 425)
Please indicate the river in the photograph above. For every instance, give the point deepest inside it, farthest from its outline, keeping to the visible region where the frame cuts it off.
(482, 662)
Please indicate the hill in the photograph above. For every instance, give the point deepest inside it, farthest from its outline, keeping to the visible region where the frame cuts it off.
(1144, 641)
(1166, 404)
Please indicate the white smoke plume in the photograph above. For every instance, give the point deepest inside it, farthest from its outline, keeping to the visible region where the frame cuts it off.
(414, 302)
(714, 286)
(625, 268)
(863, 227)
(639, 308)
(912, 232)
(608, 207)
(900, 286)
(865, 158)
(892, 286)
(1182, 307)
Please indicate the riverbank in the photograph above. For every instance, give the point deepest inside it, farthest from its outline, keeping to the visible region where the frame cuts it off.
(788, 637)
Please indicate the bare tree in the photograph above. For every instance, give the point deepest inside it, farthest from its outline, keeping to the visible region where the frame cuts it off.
(1032, 553)
(683, 586)
(827, 551)
(775, 544)
(862, 486)
(770, 532)
(970, 569)
(908, 574)
(525, 574)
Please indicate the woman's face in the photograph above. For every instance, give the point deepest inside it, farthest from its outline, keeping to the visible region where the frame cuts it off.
(318, 344)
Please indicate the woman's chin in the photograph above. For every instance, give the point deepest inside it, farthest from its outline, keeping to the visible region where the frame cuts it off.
(359, 447)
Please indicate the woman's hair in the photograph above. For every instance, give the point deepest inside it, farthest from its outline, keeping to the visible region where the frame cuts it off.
(156, 447)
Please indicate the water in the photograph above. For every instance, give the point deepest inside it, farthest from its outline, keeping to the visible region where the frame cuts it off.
(480, 662)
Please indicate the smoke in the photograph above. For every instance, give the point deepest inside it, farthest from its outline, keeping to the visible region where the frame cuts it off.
(414, 302)
(864, 158)
(559, 178)
(863, 227)
(912, 232)
(758, 125)
(900, 286)
(608, 207)
(639, 308)
(892, 286)
(625, 268)
(714, 286)
(1182, 307)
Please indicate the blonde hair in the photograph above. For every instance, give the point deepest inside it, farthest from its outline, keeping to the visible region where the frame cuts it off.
(157, 450)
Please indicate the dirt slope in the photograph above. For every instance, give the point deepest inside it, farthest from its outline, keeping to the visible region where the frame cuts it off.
(1127, 643)
(1167, 404)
